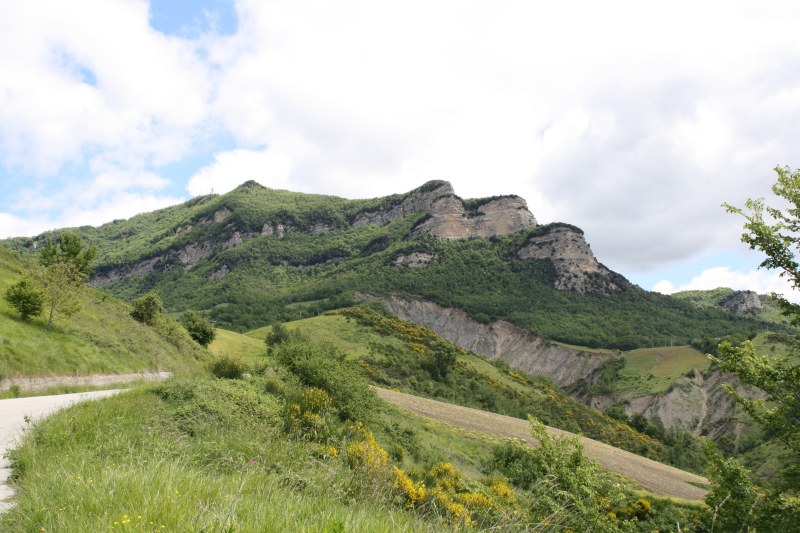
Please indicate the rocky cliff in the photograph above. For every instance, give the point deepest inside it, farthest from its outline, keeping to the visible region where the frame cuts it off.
(498, 340)
(576, 267)
(742, 302)
(453, 219)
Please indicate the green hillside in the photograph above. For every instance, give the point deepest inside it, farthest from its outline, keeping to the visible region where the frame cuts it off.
(257, 255)
(100, 339)
(402, 356)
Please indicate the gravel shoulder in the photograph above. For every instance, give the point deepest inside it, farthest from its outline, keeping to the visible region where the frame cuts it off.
(40, 383)
(656, 477)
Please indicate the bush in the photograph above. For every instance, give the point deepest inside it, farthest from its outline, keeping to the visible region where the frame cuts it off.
(25, 298)
(147, 308)
(227, 367)
(325, 367)
(200, 328)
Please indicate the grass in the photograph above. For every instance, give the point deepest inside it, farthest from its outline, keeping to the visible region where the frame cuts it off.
(232, 344)
(340, 331)
(202, 456)
(100, 339)
(667, 362)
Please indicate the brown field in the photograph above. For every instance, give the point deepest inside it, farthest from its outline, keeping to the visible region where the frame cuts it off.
(653, 476)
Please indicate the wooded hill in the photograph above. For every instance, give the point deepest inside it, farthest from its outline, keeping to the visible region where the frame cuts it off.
(257, 255)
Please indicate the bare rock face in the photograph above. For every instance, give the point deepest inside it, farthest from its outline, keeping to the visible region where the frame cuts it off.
(234, 241)
(190, 255)
(222, 214)
(451, 220)
(498, 340)
(414, 260)
(576, 267)
(742, 302)
(420, 201)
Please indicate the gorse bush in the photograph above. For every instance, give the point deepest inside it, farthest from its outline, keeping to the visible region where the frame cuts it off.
(324, 366)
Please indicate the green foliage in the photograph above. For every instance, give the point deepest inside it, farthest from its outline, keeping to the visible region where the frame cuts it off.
(473, 382)
(100, 338)
(322, 260)
(779, 412)
(278, 334)
(776, 233)
(199, 327)
(325, 367)
(69, 249)
(147, 308)
(62, 287)
(226, 367)
(573, 491)
(25, 298)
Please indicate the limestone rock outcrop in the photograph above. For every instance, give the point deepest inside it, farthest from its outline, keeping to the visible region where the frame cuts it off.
(451, 219)
(576, 267)
(742, 302)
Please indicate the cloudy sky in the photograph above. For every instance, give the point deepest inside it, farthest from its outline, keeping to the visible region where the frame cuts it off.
(633, 120)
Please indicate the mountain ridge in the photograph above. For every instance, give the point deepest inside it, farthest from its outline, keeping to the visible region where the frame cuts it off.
(256, 255)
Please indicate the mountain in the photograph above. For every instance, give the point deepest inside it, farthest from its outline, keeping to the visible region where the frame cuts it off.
(256, 255)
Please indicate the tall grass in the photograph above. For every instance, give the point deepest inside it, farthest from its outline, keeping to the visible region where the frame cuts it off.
(205, 456)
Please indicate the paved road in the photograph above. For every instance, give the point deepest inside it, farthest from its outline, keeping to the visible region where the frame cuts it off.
(12, 422)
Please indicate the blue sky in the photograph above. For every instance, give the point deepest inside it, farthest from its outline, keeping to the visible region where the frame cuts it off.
(632, 120)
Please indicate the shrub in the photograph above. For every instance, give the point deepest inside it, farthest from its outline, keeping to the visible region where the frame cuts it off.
(364, 452)
(147, 308)
(200, 328)
(25, 298)
(307, 415)
(227, 367)
(324, 366)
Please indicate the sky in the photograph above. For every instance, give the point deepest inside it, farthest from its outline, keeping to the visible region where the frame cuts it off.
(632, 120)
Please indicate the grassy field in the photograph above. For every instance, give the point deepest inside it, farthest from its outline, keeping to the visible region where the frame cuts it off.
(237, 345)
(667, 362)
(101, 338)
(340, 331)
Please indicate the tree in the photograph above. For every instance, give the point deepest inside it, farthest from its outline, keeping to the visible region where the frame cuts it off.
(199, 327)
(71, 250)
(776, 233)
(147, 308)
(26, 298)
(62, 286)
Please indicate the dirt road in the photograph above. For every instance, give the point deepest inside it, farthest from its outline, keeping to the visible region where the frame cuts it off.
(12, 424)
(652, 475)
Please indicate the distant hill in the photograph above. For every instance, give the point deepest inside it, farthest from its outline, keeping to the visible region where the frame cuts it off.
(258, 255)
(761, 306)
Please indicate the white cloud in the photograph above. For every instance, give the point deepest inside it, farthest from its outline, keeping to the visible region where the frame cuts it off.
(760, 281)
(632, 120)
(91, 75)
(237, 166)
(117, 206)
